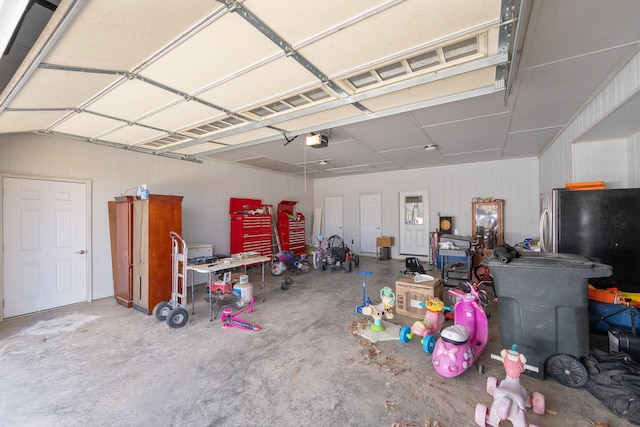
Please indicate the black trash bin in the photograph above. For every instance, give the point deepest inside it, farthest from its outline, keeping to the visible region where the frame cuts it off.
(543, 308)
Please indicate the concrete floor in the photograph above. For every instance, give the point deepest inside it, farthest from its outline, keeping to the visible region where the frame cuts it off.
(99, 364)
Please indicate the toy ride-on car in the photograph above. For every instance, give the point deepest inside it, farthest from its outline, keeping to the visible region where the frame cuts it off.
(338, 255)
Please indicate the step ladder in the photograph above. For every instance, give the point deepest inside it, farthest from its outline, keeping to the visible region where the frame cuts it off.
(275, 236)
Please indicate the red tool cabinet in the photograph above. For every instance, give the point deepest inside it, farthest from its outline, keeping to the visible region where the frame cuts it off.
(250, 227)
(291, 228)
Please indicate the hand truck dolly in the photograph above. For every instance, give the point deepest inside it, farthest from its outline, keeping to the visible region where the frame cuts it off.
(174, 311)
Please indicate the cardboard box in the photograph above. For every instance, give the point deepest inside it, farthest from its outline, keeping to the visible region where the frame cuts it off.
(384, 241)
(410, 294)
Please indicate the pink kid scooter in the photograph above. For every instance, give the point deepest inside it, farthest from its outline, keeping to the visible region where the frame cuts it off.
(460, 344)
(510, 398)
(229, 319)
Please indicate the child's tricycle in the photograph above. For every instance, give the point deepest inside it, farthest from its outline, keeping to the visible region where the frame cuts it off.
(285, 260)
(432, 323)
(510, 398)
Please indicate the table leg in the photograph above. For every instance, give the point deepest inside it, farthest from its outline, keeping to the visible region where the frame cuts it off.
(262, 281)
(193, 292)
(210, 298)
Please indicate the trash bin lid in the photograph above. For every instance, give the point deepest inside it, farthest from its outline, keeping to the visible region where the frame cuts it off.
(578, 264)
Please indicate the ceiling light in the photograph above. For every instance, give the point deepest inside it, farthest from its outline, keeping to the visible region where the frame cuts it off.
(316, 140)
(323, 162)
(431, 147)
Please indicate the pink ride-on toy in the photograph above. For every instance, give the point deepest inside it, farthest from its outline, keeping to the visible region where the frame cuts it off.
(461, 344)
(431, 325)
(510, 398)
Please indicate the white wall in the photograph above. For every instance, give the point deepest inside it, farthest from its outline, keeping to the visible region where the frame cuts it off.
(451, 190)
(206, 188)
(557, 167)
(601, 161)
(633, 160)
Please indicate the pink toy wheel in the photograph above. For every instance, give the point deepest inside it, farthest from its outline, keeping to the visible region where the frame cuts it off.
(539, 406)
(481, 414)
(492, 383)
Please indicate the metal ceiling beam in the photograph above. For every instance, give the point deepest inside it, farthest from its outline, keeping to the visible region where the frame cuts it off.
(131, 76)
(289, 51)
(344, 122)
(127, 147)
(515, 20)
(490, 61)
(45, 43)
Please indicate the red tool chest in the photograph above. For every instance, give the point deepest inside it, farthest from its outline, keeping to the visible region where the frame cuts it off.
(291, 228)
(250, 227)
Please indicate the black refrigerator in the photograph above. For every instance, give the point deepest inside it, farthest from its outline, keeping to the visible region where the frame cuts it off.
(603, 224)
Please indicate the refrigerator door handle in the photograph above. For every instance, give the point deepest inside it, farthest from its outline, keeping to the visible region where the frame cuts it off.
(545, 224)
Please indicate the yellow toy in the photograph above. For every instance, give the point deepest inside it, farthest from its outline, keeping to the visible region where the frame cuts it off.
(432, 324)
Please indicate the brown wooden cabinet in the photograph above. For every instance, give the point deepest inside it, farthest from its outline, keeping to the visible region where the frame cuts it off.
(153, 219)
(488, 223)
(123, 254)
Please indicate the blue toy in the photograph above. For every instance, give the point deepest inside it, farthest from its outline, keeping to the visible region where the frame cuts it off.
(365, 301)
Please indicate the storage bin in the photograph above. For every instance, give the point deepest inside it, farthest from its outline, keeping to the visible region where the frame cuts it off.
(460, 242)
(542, 304)
(410, 295)
(384, 241)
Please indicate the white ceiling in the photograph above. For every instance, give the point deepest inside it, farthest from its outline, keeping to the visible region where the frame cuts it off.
(193, 79)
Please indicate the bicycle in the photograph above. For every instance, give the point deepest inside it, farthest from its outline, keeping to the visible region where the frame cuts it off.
(319, 252)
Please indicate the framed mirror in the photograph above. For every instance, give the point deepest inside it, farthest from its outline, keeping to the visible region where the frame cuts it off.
(487, 223)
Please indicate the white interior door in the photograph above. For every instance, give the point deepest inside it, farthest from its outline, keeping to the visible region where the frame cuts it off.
(370, 221)
(414, 226)
(333, 216)
(45, 244)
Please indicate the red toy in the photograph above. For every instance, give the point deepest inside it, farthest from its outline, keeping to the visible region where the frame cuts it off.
(220, 287)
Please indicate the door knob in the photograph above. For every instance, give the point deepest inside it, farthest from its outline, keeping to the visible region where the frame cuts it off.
(81, 252)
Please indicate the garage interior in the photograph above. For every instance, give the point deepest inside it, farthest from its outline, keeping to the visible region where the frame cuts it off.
(214, 100)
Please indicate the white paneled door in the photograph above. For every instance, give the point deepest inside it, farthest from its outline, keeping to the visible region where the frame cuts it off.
(414, 226)
(45, 244)
(370, 221)
(333, 216)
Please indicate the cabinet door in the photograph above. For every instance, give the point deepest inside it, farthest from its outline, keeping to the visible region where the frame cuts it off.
(124, 251)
